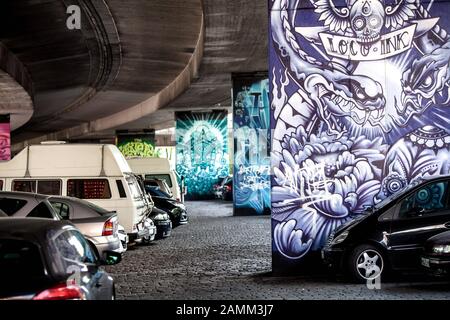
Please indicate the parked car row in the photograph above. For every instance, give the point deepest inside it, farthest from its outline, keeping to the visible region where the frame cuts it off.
(89, 190)
(407, 231)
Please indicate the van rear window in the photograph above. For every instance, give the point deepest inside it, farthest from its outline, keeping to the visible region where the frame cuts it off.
(49, 187)
(89, 188)
(24, 185)
(160, 177)
(121, 189)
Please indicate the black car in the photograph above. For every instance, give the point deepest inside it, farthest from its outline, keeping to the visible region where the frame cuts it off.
(227, 189)
(436, 256)
(175, 209)
(43, 259)
(391, 234)
(162, 222)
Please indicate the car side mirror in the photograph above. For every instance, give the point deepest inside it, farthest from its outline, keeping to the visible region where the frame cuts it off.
(111, 258)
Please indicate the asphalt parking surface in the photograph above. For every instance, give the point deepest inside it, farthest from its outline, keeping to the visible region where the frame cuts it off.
(218, 256)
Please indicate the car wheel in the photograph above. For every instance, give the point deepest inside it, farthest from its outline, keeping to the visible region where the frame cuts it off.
(146, 240)
(366, 263)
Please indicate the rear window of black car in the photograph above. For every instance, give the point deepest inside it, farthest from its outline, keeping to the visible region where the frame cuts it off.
(11, 206)
(21, 266)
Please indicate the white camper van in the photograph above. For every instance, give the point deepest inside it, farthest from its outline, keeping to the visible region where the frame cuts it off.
(156, 168)
(95, 172)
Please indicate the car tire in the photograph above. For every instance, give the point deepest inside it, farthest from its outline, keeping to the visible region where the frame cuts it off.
(146, 240)
(366, 263)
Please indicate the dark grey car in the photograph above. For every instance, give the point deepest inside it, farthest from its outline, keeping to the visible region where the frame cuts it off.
(43, 259)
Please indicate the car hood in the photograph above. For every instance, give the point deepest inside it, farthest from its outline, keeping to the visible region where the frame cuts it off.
(441, 238)
(352, 223)
(171, 201)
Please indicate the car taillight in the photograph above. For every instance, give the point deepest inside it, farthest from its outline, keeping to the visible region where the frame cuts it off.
(228, 188)
(61, 292)
(108, 228)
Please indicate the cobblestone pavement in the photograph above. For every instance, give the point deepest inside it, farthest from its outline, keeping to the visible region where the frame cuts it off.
(218, 256)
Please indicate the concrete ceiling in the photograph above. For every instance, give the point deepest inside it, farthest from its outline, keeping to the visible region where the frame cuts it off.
(132, 64)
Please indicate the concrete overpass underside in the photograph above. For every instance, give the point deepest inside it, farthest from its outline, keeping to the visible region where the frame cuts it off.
(130, 66)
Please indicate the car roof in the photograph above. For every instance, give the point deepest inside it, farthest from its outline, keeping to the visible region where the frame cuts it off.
(29, 228)
(23, 195)
(433, 177)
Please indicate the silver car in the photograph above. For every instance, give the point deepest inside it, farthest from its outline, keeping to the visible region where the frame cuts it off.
(101, 231)
(24, 204)
(99, 226)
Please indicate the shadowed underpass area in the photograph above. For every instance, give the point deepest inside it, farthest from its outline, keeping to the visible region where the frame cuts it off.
(218, 256)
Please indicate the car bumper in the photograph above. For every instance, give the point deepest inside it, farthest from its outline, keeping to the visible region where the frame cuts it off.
(124, 239)
(163, 228)
(184, 218)
(332, 257)
(436, 265)
(103, 246)
(148, 231)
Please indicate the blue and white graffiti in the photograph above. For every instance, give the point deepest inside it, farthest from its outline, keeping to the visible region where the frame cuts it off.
(251, 124)
(359, 109)
(202, 151)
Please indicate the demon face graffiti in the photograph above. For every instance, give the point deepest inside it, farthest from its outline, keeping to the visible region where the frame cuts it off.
(360, 97)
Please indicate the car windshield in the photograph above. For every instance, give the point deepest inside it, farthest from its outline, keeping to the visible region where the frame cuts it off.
(21, 265)
(165, 177)
(156, 192)
(395, 196)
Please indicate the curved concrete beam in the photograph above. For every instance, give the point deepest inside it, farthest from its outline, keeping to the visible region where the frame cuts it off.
(16, 89)
(155, 102)
(15, 101)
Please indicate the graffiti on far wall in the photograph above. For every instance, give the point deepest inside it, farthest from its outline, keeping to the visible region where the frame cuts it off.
(133, 144)
(201, 151)
(251, 127)
(359, 110)
(5, 138)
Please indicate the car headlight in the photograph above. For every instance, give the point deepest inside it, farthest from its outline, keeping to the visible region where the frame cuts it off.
(443, 248)
(160, 217)
(340, 238)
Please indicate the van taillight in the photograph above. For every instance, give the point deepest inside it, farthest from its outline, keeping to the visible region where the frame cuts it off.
(61, 292)
(108, 228)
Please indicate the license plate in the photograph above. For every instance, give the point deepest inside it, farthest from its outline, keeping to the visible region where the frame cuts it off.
(426, 262)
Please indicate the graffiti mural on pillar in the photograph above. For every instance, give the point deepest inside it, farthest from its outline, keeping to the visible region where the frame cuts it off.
(251, 127)
(136, 144)
(202, 151)
(359, 110)
(5, 138)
